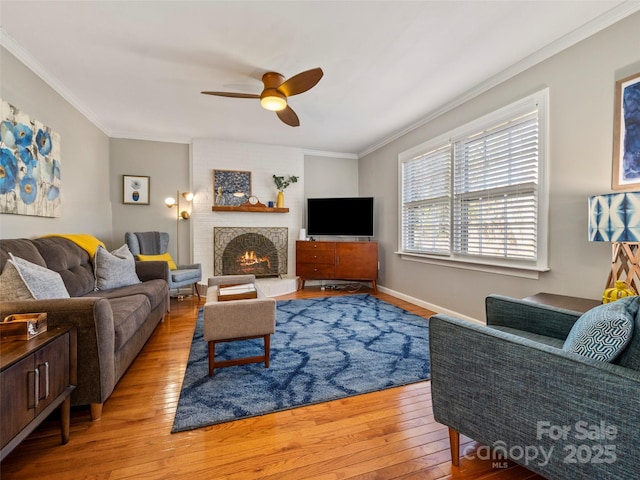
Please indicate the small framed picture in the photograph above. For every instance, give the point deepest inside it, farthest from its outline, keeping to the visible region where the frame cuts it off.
(626, 135)
(231, 187)
(135, 190)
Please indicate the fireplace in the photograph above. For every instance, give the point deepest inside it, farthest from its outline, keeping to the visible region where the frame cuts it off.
(261, 251)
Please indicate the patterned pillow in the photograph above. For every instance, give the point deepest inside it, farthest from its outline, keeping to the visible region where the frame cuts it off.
(114, 269)
(22, 280)
(604, 331)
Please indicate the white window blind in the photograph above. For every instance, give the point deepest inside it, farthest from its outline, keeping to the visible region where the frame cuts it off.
(426, 213)
(495, 190)
(474, 194)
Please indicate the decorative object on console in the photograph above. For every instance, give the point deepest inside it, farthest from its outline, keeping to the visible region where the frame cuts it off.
(30, 162)
(135, 190)
(615, 217)
(626, 134)
(23, 326)
(231, 187)
(620, 290)
(282, 183)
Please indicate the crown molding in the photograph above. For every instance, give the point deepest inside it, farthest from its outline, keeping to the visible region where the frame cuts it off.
(145, 136)
(319, 153)
(605, 20)
(8, 42)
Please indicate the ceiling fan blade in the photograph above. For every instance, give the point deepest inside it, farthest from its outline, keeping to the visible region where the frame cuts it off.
(289, 117)
(232, 94)
(301, 82)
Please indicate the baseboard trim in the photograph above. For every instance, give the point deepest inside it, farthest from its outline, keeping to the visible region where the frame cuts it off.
(427, 305)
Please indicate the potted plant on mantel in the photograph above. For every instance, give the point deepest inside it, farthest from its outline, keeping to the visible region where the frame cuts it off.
(282, 183)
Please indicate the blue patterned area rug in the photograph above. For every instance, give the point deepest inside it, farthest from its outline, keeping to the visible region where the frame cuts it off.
(323, 349)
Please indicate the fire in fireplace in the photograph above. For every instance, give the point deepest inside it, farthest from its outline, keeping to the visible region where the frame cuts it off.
(258, 251)
(250, 261)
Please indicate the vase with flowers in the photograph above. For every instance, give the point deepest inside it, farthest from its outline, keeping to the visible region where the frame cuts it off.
(282, 182)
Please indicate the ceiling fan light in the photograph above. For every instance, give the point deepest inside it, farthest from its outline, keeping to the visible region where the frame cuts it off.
(273, 101)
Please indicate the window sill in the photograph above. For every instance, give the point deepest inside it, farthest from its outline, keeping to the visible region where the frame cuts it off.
(513, 269)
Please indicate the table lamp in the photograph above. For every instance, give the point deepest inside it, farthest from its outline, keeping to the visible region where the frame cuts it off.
(615, 218)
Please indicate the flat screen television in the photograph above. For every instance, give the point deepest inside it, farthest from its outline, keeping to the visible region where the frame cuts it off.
(343, 216)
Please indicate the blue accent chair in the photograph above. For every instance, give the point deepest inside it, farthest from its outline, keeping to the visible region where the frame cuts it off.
(157, 243)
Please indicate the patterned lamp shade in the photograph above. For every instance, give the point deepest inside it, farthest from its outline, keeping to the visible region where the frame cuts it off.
(614, 217)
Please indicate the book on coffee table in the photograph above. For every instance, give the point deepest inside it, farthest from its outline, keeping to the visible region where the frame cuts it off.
(237, 292)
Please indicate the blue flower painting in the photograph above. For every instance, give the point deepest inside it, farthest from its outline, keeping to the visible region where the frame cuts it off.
(29, 165)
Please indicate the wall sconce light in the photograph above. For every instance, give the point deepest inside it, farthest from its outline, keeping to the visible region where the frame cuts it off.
(615, 218)
(180, 214)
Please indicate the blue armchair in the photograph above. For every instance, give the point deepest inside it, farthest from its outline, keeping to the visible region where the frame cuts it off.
(510, 386)
(157, 243)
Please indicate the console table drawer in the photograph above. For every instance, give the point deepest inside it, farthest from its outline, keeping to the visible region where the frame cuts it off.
(304, 246)
(316, 271)
(316, 256)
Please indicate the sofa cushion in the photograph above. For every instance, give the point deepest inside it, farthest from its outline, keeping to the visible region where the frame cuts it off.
(603, 332)
(20, 247)
(129, 313)
(182, 275)
(40, 282)
(72, 262)
(115, 269)
(154, 290)
(163, 257)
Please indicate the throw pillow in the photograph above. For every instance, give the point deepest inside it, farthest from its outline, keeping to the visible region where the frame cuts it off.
(114, 269)
(37, 282)
(604, 331)
(164, 257)
(12, 287)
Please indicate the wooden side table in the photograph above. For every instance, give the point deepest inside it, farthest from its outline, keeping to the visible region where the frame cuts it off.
(576, 304)
(36, 377)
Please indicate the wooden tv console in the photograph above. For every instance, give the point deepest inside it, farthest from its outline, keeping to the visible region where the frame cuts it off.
(337, 261)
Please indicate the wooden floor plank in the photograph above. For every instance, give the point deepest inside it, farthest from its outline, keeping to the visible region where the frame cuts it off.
(390, 434)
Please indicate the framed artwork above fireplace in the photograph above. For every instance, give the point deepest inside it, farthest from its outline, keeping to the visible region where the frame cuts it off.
(231, 187)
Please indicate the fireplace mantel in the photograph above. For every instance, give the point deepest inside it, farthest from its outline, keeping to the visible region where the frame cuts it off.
(248, 208)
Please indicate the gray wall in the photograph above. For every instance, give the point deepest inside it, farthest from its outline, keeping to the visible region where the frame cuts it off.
(84, 162)
(581, 81)
(326, 176)
(330, 176)
(167, 165)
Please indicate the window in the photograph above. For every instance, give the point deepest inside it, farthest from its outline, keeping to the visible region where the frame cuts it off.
(477, 195)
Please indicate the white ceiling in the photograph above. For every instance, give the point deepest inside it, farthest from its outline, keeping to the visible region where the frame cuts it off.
(136, 68)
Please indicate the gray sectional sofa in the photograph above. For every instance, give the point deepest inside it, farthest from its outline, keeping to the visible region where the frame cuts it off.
(112, 324)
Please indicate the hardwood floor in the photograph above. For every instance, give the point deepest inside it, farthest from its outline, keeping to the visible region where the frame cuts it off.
(382, 435)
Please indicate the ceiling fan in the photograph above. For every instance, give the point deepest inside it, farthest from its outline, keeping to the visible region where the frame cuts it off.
(277, 90)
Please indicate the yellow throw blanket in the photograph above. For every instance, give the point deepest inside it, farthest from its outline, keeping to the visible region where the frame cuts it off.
(83, 240)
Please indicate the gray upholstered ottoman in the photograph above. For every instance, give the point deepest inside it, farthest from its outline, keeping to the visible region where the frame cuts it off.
(232, 320)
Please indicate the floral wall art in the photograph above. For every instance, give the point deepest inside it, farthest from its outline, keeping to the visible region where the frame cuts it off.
(29, 165)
